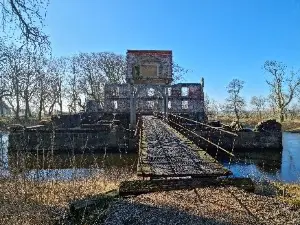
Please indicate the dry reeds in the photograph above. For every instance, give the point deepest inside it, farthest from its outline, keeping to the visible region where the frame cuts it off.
(37, 199)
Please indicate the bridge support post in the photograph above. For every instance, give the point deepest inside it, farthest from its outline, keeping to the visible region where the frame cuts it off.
(166, 102)
(132, 108)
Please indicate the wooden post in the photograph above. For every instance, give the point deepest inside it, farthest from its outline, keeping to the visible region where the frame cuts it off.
(166, 102)
(132, 108)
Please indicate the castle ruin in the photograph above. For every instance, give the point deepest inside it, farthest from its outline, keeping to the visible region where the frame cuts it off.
(149, 88)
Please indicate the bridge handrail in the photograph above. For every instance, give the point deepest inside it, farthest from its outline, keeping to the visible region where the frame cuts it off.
(203, 124)
(219, 147)
(137, 127)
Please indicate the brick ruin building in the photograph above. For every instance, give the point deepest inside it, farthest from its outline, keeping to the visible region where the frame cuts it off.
(148, 89)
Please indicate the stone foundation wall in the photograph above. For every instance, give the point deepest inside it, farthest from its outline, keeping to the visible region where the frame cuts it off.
(245, 140)
(79, 141)
(259, 140)
(118, 139)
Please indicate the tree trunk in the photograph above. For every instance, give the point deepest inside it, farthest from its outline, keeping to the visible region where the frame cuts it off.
(51, 108)
(60, 107)
(41, 103)
(40, 109)
(18, 103)
(1, 107)
(237, 115)
(59, 96)
(26, 105)
(281, 115)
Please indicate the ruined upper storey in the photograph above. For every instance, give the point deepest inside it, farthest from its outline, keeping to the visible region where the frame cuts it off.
(149, 66)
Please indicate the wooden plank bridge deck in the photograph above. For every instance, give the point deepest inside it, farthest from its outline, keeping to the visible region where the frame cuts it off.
(164, 152)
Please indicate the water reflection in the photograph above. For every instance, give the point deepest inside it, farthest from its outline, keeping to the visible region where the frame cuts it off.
(67, 166)
(3, 155)
(266, 161)
(271, 164)
(259, 165)
(290, 168)
(63, 166)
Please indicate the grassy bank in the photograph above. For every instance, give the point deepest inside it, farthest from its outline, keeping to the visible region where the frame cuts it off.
(32, 202)
(293, 127)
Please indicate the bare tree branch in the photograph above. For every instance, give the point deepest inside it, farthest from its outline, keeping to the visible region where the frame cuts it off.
(235, 102)
(283, 87)
(26, 17)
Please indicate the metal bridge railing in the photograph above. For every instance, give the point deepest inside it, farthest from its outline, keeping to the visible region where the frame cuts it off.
(138, 126)
(203, 124)
(179, 123)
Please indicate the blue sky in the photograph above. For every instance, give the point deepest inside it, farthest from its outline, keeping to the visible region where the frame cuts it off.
(218, 40)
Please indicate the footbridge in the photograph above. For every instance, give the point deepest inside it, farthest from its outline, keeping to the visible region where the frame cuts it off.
(168, 148)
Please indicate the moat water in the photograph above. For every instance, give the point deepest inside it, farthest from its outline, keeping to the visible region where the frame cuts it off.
(260, 165)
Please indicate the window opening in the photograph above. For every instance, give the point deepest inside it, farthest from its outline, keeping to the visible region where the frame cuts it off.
(185, 104)
(184, 91)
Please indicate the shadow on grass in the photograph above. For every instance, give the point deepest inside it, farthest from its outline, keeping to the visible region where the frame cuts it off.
(110, 209)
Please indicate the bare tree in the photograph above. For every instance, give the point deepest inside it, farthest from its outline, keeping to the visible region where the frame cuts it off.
(113, 66)
(94, 69)
(89, 76)
(22, 23)
(294, 111)
(235, 103)
(178, 73)
(74, 94)
(4, 85)
(24, 83)
(4, 88)
(272, 105)
(283, 87)
(211, 107)
(26, 17)
(259, 102)
(57, 69)
(29, 79)
(20, 79)
(14, 70)
(206, 103)
(42, 92)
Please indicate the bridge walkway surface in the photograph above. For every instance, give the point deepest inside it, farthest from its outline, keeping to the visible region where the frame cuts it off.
(164, 152)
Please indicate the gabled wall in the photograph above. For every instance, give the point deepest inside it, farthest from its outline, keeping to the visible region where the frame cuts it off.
(163, 59)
